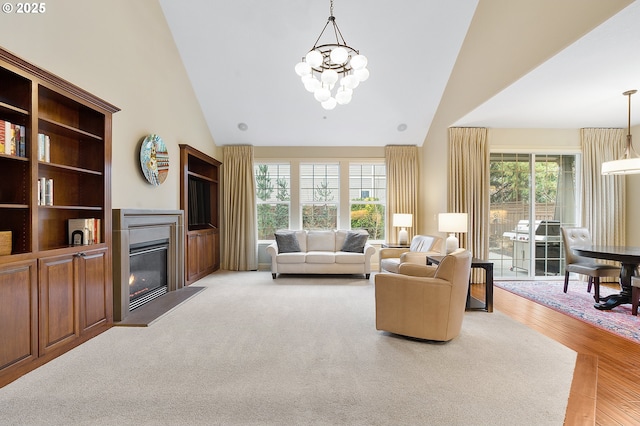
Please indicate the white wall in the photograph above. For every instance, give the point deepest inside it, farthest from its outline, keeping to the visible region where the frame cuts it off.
(123, 52)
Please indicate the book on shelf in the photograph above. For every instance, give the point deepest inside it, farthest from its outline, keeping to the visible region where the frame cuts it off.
(84, 231)
(45, 192)
(44, 148)
(13, 139)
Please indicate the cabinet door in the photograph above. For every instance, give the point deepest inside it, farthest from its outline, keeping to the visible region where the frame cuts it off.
(18, 314)
(58, 299)
(207, 252)
(95, 296)
(192, 256)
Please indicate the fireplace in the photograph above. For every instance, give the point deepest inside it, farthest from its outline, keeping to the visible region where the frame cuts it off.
(148, 260)
(147, 272)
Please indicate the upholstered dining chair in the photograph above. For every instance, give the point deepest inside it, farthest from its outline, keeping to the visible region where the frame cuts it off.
(635, 294)
(424, 302)
(579, 236)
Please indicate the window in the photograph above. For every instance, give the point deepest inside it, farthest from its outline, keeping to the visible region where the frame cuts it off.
(273, 193)
(315, 189)
(320, 195)
(367, 198)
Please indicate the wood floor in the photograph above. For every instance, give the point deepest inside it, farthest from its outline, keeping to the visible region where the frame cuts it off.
(617, 390)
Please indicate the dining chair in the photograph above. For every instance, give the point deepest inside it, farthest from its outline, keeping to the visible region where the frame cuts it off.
(635, 294)
(579, 236)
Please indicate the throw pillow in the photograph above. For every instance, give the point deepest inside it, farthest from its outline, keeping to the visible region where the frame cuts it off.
(354, 242)
(287, 242)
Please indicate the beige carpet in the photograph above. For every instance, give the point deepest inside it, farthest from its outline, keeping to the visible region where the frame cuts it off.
(250, 350)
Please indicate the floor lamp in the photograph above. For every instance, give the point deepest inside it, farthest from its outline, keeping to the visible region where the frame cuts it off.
(452, 223)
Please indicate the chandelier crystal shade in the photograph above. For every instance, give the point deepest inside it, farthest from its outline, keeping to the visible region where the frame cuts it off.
(332, 70)
(630, 162)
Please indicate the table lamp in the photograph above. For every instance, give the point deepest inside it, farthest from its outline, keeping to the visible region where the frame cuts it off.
(452, 223)
(403, 221)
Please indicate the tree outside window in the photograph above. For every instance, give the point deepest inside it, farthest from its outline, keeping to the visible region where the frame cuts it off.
(367, 194)
(319, 195)
(273, 198)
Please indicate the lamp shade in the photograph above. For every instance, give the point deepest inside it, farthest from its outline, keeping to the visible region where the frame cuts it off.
(625, 166)
(452, 222)
(402, 220)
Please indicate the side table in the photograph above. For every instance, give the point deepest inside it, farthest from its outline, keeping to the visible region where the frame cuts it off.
(472, 302)
(389, 245)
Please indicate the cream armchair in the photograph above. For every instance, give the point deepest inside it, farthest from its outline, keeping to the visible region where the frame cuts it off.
(421, 247)
(427, 303)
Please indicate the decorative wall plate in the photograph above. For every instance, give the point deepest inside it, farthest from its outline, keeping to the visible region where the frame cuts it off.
(154, 159)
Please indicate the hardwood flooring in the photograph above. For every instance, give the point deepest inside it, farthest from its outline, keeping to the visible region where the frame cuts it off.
(616, 360)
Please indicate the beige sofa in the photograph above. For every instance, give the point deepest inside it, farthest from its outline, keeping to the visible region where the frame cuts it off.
(421, 246)
(321, 252)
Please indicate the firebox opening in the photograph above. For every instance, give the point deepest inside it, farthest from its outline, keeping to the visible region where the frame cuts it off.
(148, 272)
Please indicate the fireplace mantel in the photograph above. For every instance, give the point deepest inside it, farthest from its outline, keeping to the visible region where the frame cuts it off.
(133, 226)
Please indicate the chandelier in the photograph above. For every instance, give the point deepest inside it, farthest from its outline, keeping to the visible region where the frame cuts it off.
(630, 162)
(331, 71)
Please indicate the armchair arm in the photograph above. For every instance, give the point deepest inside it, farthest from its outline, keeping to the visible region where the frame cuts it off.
(391, 252)
(414, 257)
(417, 270)
(419, 257)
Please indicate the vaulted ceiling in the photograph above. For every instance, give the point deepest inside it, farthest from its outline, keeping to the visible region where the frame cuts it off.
(240, 57)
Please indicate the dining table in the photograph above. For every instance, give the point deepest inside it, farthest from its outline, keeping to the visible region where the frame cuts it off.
(629, 258)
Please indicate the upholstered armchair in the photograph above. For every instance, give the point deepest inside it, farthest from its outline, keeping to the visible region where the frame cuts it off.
(425, 302)
(421, 246)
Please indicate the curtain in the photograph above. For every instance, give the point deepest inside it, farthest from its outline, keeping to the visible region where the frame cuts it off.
(469, 186)
(603, 203)
(240, 231)
(402, 185)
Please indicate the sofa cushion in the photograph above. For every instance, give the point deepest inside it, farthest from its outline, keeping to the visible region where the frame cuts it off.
(390, 265)
(322, 240)
(351, 258)
(287, 242)
(298, 257)
(354, 242)
(320, 257)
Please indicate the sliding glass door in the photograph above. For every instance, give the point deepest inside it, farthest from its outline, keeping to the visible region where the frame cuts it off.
(532, 196)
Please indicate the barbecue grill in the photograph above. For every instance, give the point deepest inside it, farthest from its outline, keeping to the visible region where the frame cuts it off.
(547, 246)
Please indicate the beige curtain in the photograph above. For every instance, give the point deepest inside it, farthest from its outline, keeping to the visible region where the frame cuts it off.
(603, 202)
(239, 234)
(402, 186)
(469, 186)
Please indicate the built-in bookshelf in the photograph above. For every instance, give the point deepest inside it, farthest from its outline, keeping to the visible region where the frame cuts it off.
(54, 294)
(199, 198)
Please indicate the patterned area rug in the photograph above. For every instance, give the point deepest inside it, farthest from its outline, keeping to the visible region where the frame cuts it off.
(578, 304)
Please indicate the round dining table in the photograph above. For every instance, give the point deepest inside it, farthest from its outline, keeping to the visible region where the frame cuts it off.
(629, 258)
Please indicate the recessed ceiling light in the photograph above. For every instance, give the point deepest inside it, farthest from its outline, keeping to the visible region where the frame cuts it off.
(243, 126)
(402, 127)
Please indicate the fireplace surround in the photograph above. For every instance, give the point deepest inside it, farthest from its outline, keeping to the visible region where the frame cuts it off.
(135, 228)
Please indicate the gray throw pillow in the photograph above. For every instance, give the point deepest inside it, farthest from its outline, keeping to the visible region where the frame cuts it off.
(354, 242)
(287, 242)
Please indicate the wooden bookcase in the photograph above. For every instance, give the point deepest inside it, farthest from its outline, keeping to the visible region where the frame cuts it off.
(53, 295)
(199, 199)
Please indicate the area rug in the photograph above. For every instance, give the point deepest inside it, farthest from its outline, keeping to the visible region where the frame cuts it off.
(576, 302)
